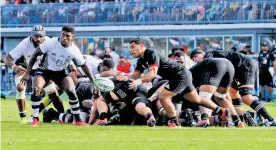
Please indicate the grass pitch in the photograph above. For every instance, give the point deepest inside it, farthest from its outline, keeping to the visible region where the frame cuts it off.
(54, 136)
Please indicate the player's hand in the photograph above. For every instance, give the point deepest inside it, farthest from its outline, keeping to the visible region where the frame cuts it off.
(120, 77)
(19, 70)
(133, 84)
(96, 91)
(25, 79)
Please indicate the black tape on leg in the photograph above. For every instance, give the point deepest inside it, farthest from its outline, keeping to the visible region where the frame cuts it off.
(237, 102)
(103, 115)
(71, 95)
(108, 98)
(245, 91)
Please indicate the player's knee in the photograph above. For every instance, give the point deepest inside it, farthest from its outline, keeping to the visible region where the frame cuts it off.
(37, 91)
(20, 87)
(51, 88)
(247, 99)
(245, 91)
(139, 102)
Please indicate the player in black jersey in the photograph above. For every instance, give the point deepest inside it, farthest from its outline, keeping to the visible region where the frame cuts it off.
(85, 93)
(266, 60)
(180, 80)
(132, 102)
(245, 74)
(213, 77)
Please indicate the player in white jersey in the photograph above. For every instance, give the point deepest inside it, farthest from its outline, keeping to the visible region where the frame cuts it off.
(59, 52)
(18, 59)
(92, 63)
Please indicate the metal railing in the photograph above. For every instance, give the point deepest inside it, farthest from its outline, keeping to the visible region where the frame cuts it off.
(150, 12)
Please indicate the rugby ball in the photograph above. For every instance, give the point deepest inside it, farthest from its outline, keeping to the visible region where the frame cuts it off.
(104, 84)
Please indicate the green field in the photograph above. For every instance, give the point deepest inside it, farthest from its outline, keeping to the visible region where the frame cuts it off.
(54, 136)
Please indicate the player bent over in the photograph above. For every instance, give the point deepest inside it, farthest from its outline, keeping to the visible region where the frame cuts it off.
(133, 102)
(180, 80)
(213, 77)
(245, 73)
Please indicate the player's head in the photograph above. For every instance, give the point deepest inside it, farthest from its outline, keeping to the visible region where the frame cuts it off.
(106, 65)
(247, 47)
(179, 56)
(123, 58)
(38, 34)
(197, 55)
(137, 47)
(265, 46)
(177, 49)
(67, 36)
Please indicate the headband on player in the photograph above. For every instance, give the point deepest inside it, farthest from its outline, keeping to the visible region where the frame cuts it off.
(38, 30)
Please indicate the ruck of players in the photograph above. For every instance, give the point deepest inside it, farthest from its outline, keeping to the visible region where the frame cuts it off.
(200, 90)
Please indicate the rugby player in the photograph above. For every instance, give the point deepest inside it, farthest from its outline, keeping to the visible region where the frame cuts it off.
(59, 52)
(134, 101)
(213, 77)
(180, 80)
(245, 74)
(18, 59)
(85, 93)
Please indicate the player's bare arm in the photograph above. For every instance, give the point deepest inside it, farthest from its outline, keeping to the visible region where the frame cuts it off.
(146, 78)
(85, 69)
(32, 61)
(10, 62)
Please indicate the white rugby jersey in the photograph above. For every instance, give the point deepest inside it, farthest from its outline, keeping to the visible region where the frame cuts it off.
(92, 63)
(26, 48)
(58, 57)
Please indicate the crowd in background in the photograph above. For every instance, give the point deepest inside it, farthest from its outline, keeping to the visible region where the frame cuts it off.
(96, 12)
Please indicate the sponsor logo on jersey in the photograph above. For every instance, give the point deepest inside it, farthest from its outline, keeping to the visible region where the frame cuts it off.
(121, 93)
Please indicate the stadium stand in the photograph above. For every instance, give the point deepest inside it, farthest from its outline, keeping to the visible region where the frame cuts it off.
(135, 12)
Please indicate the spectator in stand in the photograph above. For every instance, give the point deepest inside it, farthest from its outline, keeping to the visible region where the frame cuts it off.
(124, 65)
(234, 10)
(145, 16)
(176, 11)
(247, 50)
(135, 11)
(266, 11)
(189, 11)
(210, 8)
(6, 13)
(200, 10)
(87, 11)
